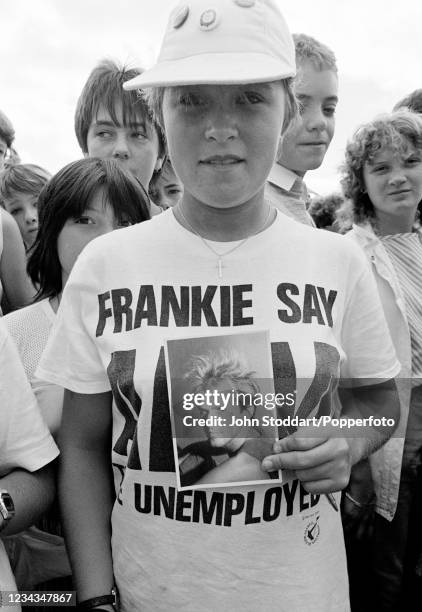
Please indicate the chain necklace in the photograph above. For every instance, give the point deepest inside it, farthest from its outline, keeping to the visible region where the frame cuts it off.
(216, 253)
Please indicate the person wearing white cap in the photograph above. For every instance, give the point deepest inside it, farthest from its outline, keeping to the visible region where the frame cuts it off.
(222, 261)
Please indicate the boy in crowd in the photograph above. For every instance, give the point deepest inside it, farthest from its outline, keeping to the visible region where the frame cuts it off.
(117, 124)
(413, 102)
(20, 187)
(305, 144)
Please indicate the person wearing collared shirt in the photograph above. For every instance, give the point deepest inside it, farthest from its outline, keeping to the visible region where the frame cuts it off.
(305, 144)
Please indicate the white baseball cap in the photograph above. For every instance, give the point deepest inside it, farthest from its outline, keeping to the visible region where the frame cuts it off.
(222, 42)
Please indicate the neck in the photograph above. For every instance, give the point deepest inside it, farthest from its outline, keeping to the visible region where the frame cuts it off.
(300, 173)
(388, 225)
(224, 224)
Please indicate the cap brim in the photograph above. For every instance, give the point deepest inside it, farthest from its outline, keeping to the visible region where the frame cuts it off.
(214, 69)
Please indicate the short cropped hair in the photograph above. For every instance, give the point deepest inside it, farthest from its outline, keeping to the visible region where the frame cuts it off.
(105, 87)
(22, 178)
(66, 196)
(311, 50)
(155, 96)
(413, 102)
(394, 131)
(7, 132)
(218, 365)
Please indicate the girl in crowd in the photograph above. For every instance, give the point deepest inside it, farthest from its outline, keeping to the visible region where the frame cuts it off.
(221, 259)
(20, 186)
(383, 181)
(84, 200)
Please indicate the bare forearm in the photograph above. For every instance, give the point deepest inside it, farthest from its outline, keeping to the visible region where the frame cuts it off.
(86, 499)
(378, 402)
(32, 494)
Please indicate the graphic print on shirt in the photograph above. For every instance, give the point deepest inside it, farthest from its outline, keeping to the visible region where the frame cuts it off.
(122, 310)
(214, 507)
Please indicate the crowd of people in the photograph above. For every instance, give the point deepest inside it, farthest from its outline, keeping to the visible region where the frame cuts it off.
(199, 163)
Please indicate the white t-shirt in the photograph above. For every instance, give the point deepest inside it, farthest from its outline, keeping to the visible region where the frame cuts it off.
(30, 329)
(238, 548)
(25, 441)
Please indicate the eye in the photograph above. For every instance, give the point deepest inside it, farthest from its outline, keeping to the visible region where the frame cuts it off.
(413, 160)
(250, 97)
(174, 191)
(140, 134)
(104, 134)
(381, 169)
(329, 111)
(191, 100)
(85, 220)
(15, 212)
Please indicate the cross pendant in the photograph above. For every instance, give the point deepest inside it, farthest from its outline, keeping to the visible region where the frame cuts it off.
(220, 268)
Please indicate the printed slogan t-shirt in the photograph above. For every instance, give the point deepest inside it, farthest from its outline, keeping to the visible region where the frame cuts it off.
(249, 547)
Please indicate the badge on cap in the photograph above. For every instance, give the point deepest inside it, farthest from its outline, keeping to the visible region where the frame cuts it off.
(245, 3)
(208, 20)
(180, 17)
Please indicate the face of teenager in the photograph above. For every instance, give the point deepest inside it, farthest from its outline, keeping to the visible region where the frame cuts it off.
(135, 146)
(97, 219)
(227, 436)
(23, 207)
(222, 139)
(3, 151)
(306, 142)
(393, 181)
(168, 190)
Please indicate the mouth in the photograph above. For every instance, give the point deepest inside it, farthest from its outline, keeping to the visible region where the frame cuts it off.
(222, 160)
(318, 143)
(399, 192)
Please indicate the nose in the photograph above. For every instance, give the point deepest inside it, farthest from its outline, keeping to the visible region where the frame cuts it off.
(221, 128)
(398, 176)
(121, 149)
(316, 121)
(31, 215)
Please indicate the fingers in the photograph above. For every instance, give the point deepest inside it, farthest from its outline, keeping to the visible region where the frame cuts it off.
(321, 464)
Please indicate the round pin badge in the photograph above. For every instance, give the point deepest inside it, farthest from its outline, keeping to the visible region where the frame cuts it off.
(245, 3)
(180, 17)
(208, 20)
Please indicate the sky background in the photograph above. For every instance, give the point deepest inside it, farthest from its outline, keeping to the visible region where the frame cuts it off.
(48, 48)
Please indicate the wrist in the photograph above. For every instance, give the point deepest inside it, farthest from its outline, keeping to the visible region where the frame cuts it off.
(107, 602)
(356, 502)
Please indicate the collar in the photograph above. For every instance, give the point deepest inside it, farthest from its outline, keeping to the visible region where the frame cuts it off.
(283, 177)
